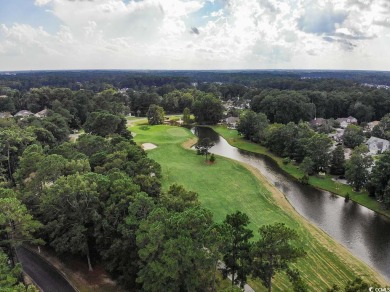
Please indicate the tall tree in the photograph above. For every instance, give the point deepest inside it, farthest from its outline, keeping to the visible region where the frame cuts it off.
(253, 125)
(102, 124)
(173, 250)
(70, 210)
(207, 109)
(186, 116)
(380, 177)
(203, 146)
(17, 226)
(353, 136)
(13, 141)
(274, 251)
(337, 163)
(236, 251)
(155, 115)
(9, 277)
(356, 168)
(317, 148)
(382, 130)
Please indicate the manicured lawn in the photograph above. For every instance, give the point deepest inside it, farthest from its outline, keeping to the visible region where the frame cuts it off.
(227, 186)
(325, 182)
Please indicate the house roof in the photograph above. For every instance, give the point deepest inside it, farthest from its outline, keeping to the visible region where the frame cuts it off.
(23, 113)
(349, 119)
(232, 120)
(318, 122)
(42, 113)
(378, 143)
(5, 115)
(373, 124)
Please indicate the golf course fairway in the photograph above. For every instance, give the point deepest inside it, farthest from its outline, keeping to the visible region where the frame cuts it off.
(227, 186)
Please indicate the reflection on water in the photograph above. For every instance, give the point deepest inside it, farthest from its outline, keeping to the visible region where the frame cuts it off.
(365, 233)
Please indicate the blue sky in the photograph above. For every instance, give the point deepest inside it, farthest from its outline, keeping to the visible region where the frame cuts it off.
(194, 34)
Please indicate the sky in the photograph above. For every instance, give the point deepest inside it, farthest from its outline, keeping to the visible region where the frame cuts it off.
(194, 34)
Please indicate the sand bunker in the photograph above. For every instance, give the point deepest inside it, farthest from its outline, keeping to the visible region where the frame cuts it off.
(148, 146)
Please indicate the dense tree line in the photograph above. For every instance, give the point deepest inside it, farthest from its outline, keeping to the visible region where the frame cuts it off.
(100, 198)
(313, 152)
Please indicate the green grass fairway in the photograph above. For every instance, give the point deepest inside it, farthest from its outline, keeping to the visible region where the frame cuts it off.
(227, 186)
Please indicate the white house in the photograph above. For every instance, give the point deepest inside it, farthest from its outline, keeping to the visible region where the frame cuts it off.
(42, 114)
(232, 122)
(344, 122)
(377, 145)
(23, 113)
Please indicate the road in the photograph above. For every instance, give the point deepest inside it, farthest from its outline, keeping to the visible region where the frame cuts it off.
(43, 274)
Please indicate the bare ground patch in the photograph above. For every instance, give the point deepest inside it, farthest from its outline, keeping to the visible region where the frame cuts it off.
(148, 146)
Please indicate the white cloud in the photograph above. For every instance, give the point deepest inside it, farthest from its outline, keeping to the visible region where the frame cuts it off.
(161, 34)
(42, 2)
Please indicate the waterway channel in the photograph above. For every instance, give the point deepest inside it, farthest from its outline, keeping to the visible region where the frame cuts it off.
(364, 232)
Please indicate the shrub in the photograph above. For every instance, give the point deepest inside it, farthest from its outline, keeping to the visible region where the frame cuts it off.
(304, 179)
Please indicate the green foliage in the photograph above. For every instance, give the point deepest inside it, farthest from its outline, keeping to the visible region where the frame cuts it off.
(253, 125)
(382, 130)
(307, 166)
(70, 210)
(186, 116)
(17, 226)
(304, 179)
(288, 140)
(380, 177)
(207, 109)
(178, 199)
(111, 101)
(236, 250)
(337, 163)
(353, 136)
(203, 146)
(295, 278)
(317, 148)
(13, 141)
(273, 252)
(284, 106)
(155, 115)
(212, 158)
(357, 285)
(356, 168)
(172, 250)
(57, 125)
(103, 124)
(8, 276)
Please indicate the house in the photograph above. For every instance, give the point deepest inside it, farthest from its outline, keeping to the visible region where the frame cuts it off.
(344, 122)
(338, 136)
(377, 145)
(5, 115)
(372, 124)
(318, 122)
(42, 114)
(231, 122)
(23, 114)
